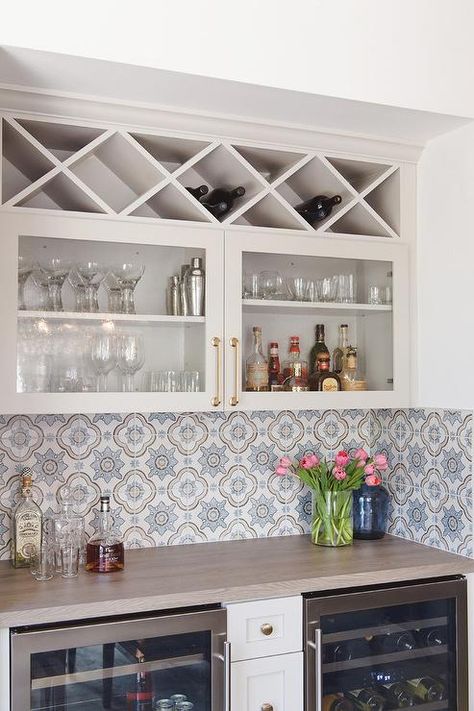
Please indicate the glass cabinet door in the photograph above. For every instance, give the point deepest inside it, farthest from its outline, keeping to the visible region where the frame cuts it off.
(102, 322)
(288, 287)
(143, 665)
(408, 650)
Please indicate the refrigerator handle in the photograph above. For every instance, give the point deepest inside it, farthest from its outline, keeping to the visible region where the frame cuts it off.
(318, 671)
(227, 676)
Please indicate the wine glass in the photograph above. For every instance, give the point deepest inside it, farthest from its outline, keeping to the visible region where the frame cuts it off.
(130, 356)
(54, 270)
(79, 289)
(104, 357)
(25, 268)
(91, 274)
(128, 276)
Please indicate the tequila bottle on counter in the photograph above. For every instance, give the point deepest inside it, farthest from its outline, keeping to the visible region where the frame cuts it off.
(27, 525)
(105, 553)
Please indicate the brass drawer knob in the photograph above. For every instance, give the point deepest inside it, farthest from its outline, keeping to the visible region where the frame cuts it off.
(267, 707)
(267, 630)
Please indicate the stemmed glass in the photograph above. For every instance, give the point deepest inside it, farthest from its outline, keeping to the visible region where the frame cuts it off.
(104, 357)
(114, 293)
(130, 356)
(79, 289)
(53, 272)
(128, 276)
(25, 268)
(91, 274)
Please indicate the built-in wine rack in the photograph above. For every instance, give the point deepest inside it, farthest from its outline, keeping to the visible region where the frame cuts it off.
(52, 165)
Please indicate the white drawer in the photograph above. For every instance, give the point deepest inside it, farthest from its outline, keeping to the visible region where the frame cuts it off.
(264, 627)
(274, 683)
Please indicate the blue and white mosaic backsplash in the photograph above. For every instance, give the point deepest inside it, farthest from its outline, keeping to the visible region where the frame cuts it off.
(206, 477)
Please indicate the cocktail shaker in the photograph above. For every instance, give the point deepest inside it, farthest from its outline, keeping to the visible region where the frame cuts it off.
(195, 287)
(172, 296)
(183, 298)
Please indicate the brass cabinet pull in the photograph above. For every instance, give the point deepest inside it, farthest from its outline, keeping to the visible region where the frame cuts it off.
(266, 707)
(235, 344)
(266, 629)
(216, 343)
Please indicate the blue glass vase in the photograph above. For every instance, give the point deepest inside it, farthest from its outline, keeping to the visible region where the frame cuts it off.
(370, 512)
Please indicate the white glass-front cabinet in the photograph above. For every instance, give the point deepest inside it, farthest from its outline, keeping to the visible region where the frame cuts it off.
(68, 346)
(262, 290)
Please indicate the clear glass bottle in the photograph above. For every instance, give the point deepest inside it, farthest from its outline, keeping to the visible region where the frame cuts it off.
(341, 349)
(319, 348)
(296, 383)
(27, 525)
(294, 356)
(256, 365)
(105, 550)
(68, 528)
(352, 378)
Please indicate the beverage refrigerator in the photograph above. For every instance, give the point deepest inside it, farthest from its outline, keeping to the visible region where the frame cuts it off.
(395, 646)
(129, 663)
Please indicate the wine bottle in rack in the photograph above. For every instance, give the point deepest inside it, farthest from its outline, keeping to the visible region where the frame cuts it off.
(198, 192)
(317, 208)
(256, 367)
(341, 349)
(427, 689)
(396, 642)
(366, 699)
(396, 695)
(318, 349)
(431, 636)
(336, 702)
(344, 651)
(220, 201)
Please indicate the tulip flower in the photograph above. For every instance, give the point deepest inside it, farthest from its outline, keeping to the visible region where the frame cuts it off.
(309, 461)
(342, 459)
(373, 480)
(281, 471)
(339, 473)
(361, 455)
(369, 469)
(380, 461)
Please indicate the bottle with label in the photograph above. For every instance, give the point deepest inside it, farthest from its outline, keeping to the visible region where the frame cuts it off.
(141, 696)
(318, 349)
(294, 356)
(274, 370)
(198, 192)
(296, 383)
(27, 525)
(105, 551)
(324, 379)
(366, 699)
(340, 351)
(220, 201)
(317, 208)
(352, 378)
(257, 365)
(396, 696)
(427, 689)
(336, 702)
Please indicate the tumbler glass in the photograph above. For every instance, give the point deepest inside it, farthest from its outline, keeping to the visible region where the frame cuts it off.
(250, 287)
(374, 295)
(25, 268)
(270, 285)
(297, 287)
(43, 561)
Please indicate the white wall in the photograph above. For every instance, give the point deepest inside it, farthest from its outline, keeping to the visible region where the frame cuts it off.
(445, 330)
(417, 54)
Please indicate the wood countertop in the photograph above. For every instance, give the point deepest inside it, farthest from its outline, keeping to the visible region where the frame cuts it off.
(181, 576)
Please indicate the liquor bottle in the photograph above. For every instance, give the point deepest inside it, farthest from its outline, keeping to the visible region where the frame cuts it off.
(340, 351)
(294, 356)
(199, 192)
(336, 702)
(396, 695)
(344, 651)
(431, 636)
(141, 696)
(105, 553)
(317, 208)
(427, 689)
(27, 525)
(256, 369)
(274, 374)
(318, 349)
(366, 699)
(296, 383)
(220, 201)
(397, 642)
(324, 379)
(195, 282)
(352, 378)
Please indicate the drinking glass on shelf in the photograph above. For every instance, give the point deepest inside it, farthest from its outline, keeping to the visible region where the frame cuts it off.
(250, 286)
(91, 274)
(114, 293)
(297, 288)
(327, 288)
(54, 270)
(130, 358)
(103, 357)
(41, 281)
(345, 289)
(128, 276)
(312, 291)
(42, 565)
(270, 285)
(25, 268)
(387, 295)
(78, 287)
(374, 295)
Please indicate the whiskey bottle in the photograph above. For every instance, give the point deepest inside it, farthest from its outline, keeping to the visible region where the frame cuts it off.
(396, 696)
(27, 525)
(323, 379)
(274, 374)
(105, 552)
(318, 349)
(256, 367)
(294, 356)
(426, 689)
(296, 383)
(366, 699)
(340, 351)
(336, 702)
(351, 376)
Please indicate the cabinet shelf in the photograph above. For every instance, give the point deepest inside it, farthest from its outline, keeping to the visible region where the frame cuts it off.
(385, 629)
(408, 655)
(107, 316)
(306, 307)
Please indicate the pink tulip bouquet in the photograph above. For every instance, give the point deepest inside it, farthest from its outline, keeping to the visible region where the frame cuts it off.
(332, 484)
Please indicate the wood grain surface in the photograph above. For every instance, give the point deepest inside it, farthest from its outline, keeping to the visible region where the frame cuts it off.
(180, 576)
